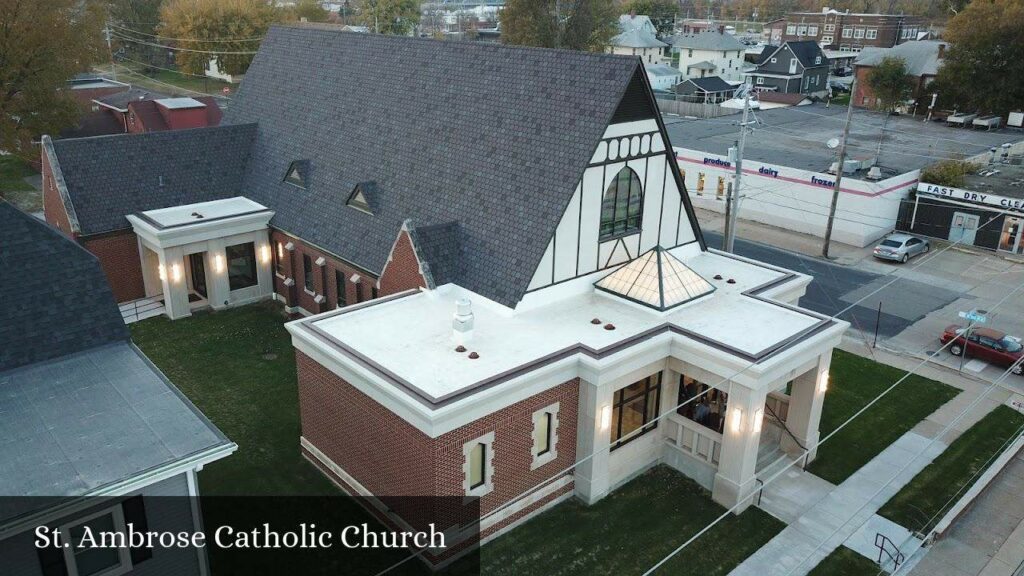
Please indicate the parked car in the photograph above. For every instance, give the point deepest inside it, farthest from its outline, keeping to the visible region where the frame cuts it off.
(838, 86)
(900, 247)
(843, 72)
(987, 344)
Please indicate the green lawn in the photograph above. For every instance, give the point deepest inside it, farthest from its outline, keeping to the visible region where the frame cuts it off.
(922, 502)
(845, 562)
(13, 186)
(854, 381)
(238, 367)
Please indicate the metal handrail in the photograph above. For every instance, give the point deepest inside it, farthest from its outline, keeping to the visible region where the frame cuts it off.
(897, 559)
(784, 427)
(760, 491)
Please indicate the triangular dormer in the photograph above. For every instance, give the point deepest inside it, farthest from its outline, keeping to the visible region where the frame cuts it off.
(297, 173)
(363, 197)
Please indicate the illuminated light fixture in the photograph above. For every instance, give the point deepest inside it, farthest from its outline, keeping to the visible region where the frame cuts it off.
(280, 251)
(218, 263)
(823, 383)
(606, 417)
(758, 420)
(175, 272)
(265, 253)
(162, 272)
(737, 420)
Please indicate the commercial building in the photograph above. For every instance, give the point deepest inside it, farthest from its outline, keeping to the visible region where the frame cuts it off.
(847, 31)
(494, 287)
(788, 158)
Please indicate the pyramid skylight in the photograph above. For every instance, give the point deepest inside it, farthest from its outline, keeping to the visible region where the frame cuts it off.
(656, 279)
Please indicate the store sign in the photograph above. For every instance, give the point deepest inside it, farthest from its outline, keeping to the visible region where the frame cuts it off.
(971, 196)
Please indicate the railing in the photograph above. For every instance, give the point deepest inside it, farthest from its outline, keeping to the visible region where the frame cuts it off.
(779, 404)
(692, 439)
(883, 543)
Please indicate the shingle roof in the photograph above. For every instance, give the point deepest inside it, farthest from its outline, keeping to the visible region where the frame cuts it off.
(490, 136)
(438, 249)
(108, 177)
(920, 56)
(712, 84)
(636, 38)
(708, 40)
(54, 298)
(805, 51)
(121, 100)
(661, 70)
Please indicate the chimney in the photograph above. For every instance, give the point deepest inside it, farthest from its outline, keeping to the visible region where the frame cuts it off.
(462, 321)
(721, 28)
(942, 51)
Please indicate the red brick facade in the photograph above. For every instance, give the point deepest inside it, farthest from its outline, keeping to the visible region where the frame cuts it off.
(291, 264)
(119, 256)
(390, 457)
(402, 272)
(53, 206)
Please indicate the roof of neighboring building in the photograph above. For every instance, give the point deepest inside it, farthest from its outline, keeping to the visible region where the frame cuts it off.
(702, 65)
(81, 408)
(806, 51)
(120, 100)
(108, 177)
(921, 57)
(635, 22)
(795, 137)
(57, 302)
(148, 112)
(998, 178)
(782, 97)
(711, 84)
(636, 38)
(661, 70)
(98, 123)
(709, 40)
(766, 52)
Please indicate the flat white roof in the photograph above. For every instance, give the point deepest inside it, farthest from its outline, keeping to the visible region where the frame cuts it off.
(410, 339)
(202, 212)
(180, 103)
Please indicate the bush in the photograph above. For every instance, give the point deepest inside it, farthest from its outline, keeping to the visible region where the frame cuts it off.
(948, 173)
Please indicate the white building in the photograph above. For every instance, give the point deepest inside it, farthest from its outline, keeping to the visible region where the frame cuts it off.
(711, 53)
(638, 38)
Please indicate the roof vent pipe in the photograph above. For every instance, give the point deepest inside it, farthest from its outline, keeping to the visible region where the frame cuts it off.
(462, 321)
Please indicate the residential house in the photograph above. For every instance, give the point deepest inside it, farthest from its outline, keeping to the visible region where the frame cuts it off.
(795, 67)
(711, 53)
(483, 307)
(139, 110)
(922, 60)
(662, 76)
(847, 31)
(709, 90)
(94, 436)
(638, 37)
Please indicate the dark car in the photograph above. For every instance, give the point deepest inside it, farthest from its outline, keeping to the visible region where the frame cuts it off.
(990, 345)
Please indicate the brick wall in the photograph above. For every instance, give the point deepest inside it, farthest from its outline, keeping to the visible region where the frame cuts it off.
(53, 207)
(402, 271)
(292, 264)
(120, 260)
(391, 457)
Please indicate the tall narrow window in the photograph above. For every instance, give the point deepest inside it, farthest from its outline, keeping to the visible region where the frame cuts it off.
(241, 265)
(477, 470)
(339, 282)
(634, 408)
(279, 259)
(622, 204)
(542, 435)
(478, 465)
(545, 436)
(307, 272)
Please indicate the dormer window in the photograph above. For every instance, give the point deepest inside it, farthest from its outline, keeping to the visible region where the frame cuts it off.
(361, 197)
(297, 173)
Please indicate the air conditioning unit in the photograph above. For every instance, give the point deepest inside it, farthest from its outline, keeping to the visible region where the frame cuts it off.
(875, 173)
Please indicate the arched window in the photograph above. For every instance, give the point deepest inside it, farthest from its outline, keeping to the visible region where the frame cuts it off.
(620, 209)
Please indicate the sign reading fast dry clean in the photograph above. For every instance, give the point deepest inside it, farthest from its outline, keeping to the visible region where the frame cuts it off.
(1003, 202)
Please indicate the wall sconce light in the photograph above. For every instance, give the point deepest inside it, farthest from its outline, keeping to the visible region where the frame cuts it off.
(823, 383)
(280, 251)
(737, 420)
(606, 417)
(265, 253)
(218, 263)
(176, 272)
(758, 420)
(162, 272)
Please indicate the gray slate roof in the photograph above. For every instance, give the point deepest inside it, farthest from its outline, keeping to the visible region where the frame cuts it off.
(636, 38)
(711, 84)
(806, 51)
(709, 40)
(438, 249)
(920, 56)
(57, 302)
(120, 100)
(108, 177)
(493, 137)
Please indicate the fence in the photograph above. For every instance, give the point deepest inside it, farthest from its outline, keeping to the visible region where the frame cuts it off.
(670, 105)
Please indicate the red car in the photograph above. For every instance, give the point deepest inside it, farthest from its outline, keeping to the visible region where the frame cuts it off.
(989, 345)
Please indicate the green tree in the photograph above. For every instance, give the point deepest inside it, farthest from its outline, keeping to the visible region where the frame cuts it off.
(136, 19)
(661, 12)
(983, 68)
(310, 10)
(890, 83)
(948, 173)
(579, 25)
(228, 31)
(42, 45)
(397, 17)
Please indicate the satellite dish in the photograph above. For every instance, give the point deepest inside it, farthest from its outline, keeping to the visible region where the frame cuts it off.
(833, 143)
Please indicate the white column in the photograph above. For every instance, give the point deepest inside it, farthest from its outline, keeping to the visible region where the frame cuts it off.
(218, 289)
(734, 482)
(593, 437)
(174, 283)
(805, 401)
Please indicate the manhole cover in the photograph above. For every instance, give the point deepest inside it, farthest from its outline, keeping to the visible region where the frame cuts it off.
(269, 356)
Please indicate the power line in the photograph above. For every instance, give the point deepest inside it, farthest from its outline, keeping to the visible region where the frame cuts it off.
(178, 49)
(176, 87)
(169, 39)
(164, 69)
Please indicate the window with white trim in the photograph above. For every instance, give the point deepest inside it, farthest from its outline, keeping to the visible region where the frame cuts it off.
(801, 30)
(826, 40)
(478, 465)
(760, 79)
(830, 27)
(812, 30)
(91, 559)
(545, 436)
(791, 29)
(847, 32)
(858, 33)
(872, 33)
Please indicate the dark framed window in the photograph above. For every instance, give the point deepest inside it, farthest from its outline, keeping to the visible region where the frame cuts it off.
(635, 408)
(339, 281)
(622, 206)
(307, 272)
(704, 405)
(241, 265)
(373, 292)
(478, 466)
(542, 433)
(359, 292)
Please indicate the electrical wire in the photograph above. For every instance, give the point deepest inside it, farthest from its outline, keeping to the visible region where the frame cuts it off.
(169, 39)
(179, 49)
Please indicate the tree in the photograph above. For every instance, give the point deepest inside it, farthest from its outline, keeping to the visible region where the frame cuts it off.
(397, 17)
(42, 45)
(136, 19)
(579, 25)
(228, 31)
(948, 173)
(983, 67)
(661, 12)
(890, 83)
(310, 10)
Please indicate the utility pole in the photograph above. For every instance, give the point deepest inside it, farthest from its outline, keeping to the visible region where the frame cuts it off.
(732, 206)
(110, 50)
(839, 171)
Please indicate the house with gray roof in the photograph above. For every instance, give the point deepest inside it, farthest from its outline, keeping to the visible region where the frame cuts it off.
(91, 432)
(795, 67)
(922, 59)
(710, 53)
(638, 38)
(490, 284)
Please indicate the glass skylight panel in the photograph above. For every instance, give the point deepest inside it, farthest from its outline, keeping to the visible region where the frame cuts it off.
(656, 279)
